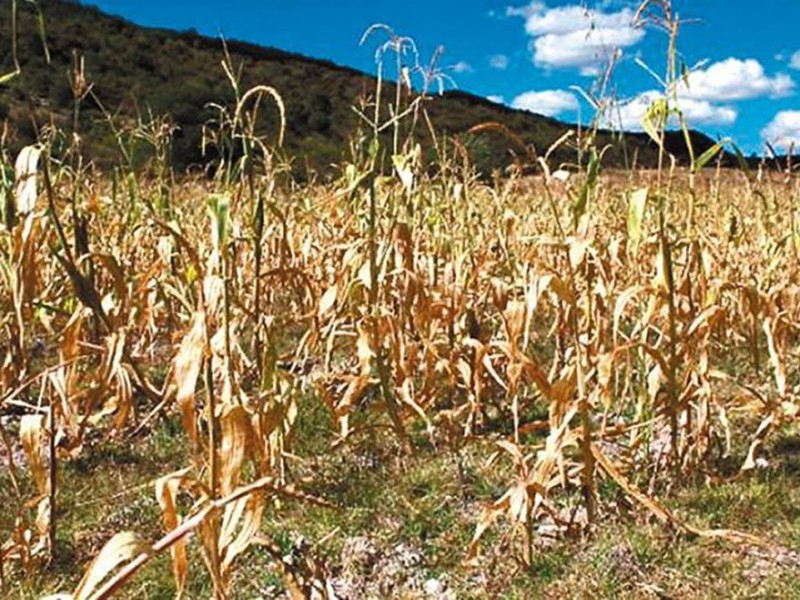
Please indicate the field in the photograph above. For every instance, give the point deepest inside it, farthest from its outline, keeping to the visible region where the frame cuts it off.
(410, 380)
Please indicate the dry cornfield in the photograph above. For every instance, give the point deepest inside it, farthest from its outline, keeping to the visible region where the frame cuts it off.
(602, 341)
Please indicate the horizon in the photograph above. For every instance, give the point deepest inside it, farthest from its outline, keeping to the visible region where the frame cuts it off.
(533, 56)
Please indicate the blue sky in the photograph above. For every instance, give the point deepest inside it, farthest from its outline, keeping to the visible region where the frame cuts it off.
(530, 54)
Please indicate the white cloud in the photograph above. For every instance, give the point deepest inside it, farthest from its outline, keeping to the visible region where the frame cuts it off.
(499, 62)
(462, 67)
(627, 115)
(706, 100)
(582, 49)
(703, 112)
(526, 11)
(569, 19)
(735, 79)
(576, 37)
(496, 99)
(784, 130)
(794, 62)
(548, 102)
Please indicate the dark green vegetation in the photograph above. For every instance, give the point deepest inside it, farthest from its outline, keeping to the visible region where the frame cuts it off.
(138, 72)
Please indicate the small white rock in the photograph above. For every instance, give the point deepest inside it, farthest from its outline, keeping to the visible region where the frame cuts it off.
(434, 587)
(561, 175)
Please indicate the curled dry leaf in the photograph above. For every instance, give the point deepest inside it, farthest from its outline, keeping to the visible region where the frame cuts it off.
(778, 368)
(758, 443)
(241, 522)
(236, 435)
(666, 516)
(118, 550)
(25, 175)
(166, 494)
(328, 301)
(32, 436)
(187, 364)
(521, 502)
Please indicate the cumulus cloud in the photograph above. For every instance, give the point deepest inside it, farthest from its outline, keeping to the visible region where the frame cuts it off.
(548, 102)
(462, 67)
(581, 49)
(735, 79)
(536, 6)
(540, 20)
(794, 61)
(575, 37)
(702, 112)
(784, 130)
(496, 99)
(707, 98)
(499, 62)
(628, 115)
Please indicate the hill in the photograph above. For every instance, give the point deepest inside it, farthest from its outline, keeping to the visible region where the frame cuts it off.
(139, 71)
